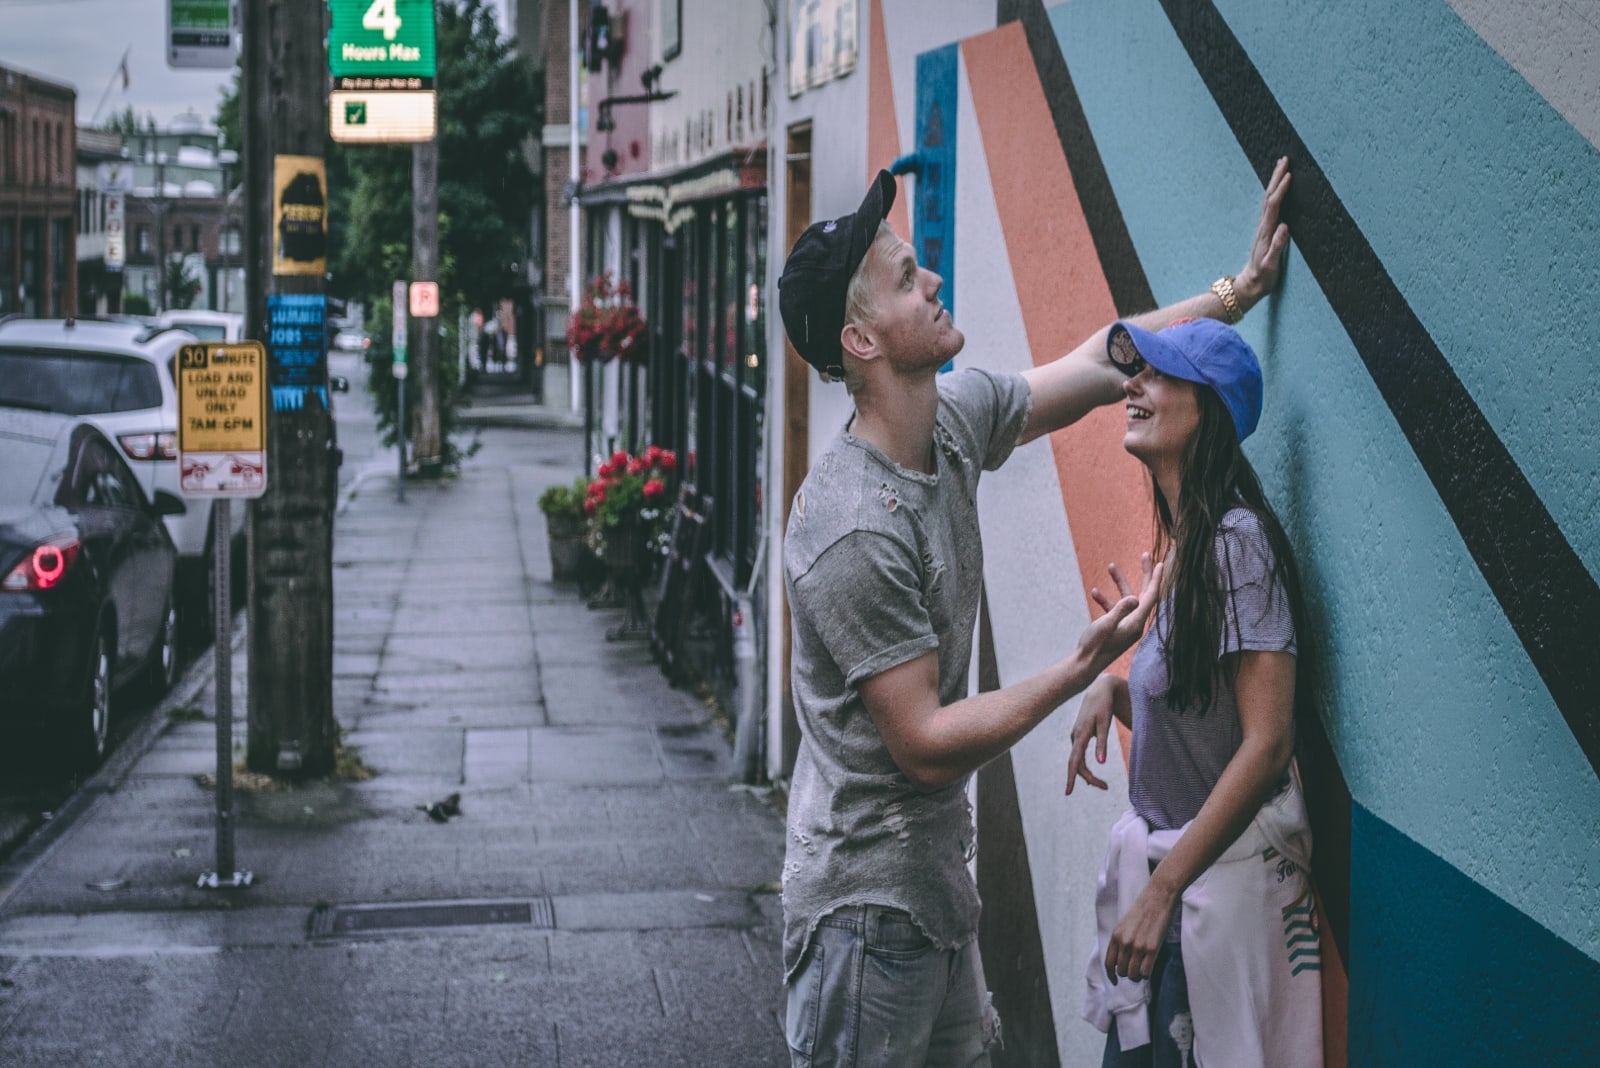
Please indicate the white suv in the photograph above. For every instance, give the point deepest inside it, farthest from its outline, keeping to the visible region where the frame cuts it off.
(119, 376)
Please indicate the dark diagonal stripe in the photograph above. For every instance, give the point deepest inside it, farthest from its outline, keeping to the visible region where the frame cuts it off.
(1548, 596)
(1008, 928)
(1130, 289)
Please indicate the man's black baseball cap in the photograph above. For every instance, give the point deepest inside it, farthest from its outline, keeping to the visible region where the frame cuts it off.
(811, 289)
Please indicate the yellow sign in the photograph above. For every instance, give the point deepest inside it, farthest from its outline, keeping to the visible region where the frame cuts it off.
(299, 215)
(222, 419)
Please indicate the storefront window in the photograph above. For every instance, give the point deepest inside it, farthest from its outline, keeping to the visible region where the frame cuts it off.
(32, 265)
(728, 291)
(754, 313)
(8, 266)
(58, 266)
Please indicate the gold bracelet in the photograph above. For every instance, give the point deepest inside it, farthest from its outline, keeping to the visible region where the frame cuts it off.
(1223, 288)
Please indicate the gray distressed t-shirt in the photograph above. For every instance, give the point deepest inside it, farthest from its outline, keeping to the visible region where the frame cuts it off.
(883, 565)
(1178, 757)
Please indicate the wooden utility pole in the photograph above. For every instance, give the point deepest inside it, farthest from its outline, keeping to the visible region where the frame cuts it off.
(426, 443)
(284, 102)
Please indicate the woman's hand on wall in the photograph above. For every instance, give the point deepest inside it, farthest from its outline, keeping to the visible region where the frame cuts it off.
(1260, 273)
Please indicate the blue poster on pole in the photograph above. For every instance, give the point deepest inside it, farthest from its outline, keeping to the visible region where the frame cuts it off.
(933, 219)
(297, 349)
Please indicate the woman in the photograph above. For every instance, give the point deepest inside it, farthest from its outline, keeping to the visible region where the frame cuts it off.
(1205, 902)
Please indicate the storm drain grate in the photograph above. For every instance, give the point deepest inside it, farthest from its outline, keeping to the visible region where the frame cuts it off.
(334, 921)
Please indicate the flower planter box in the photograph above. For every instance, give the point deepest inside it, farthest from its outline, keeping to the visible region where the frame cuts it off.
(567, 546)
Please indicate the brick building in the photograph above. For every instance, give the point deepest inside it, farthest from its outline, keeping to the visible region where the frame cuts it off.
(38, 195)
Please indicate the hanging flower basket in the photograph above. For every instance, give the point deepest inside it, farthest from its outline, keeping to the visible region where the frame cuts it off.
(607, 324)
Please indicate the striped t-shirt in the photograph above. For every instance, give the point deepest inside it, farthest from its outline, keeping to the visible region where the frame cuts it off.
(1179, 756)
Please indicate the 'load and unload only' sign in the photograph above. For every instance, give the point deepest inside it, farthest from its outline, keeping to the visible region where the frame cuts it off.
(222, 419)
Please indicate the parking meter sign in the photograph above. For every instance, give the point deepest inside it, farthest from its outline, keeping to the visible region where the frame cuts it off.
(424, 300)
(222, 419)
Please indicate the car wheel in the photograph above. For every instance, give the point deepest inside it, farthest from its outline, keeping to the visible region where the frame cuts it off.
(198, 613)
(162, 670)
(91, 721)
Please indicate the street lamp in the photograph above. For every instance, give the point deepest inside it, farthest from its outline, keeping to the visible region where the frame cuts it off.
(159, 207)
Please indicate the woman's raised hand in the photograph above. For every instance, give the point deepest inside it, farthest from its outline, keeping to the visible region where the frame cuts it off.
(1259, 276)
(1124, 621)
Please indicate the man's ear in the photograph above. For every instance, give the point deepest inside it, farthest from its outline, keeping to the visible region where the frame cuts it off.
(858, 341)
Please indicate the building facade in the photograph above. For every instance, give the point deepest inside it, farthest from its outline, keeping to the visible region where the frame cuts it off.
(675, 201)
(38, 195)
(179, 210)
(1424, 355)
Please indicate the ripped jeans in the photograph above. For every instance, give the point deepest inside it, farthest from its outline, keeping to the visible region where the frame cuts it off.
(1171, 1027)
(875, 992)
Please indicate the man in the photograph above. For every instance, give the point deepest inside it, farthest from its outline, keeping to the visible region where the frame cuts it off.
(884, 567)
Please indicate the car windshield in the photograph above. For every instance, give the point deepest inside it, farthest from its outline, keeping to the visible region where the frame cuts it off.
(77, 383)
(204, 331)
(22, 460)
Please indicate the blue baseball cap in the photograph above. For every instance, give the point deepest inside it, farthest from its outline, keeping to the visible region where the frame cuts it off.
(1196, 350)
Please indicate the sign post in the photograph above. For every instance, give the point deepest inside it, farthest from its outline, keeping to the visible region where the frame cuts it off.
(381, 56)
(398, 340)
(222, 453)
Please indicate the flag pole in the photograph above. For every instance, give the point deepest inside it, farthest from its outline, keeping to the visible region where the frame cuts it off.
(122, 69)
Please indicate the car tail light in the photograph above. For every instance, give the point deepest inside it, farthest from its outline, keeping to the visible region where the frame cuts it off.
(43, 568)
(150, 446)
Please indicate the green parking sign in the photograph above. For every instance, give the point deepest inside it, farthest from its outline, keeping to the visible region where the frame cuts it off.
(382, 39)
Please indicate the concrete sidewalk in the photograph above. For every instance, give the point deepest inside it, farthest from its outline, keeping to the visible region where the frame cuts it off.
(604, 898)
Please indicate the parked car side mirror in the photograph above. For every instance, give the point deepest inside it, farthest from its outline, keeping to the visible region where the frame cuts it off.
(339, 383)
(168, 504)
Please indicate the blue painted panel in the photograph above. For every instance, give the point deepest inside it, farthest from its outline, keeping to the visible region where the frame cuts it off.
(297, 349)
(1441, 971)
(933, 219)
(1440, 722)
(1482, 201)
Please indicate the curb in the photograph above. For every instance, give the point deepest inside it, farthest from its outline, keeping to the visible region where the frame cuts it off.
(109, 777)
(519, 419)
(359, 479)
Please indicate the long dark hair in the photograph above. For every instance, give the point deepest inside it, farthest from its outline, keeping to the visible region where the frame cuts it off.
(1214, 477)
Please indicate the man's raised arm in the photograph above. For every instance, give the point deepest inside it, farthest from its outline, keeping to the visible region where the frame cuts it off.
(1068, 388)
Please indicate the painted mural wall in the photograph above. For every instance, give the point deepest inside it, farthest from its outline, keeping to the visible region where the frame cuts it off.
(1431, 438)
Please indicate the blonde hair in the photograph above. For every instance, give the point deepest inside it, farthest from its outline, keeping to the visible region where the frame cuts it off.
(859, 306)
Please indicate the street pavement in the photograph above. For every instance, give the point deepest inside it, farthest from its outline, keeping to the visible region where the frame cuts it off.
(604, 897)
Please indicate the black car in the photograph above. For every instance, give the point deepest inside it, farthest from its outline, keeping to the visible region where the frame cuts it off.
(86, 572)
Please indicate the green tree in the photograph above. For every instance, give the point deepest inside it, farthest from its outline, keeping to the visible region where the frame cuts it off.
(182, 284)
(228, 119)
(127, 123)
(490, 104)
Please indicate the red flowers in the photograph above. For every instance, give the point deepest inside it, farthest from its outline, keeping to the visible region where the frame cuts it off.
(632, 489)
(607, 325)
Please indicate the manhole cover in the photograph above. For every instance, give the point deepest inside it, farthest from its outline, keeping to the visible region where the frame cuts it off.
(333, 921)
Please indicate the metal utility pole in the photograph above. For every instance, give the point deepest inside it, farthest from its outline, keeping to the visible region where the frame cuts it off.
(425, 331)
(291, 725)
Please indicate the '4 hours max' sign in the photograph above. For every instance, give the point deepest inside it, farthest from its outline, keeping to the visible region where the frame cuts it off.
(381, 39)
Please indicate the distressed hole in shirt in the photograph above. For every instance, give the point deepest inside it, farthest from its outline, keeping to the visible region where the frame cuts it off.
(934, 569)
(946, 441)
(886, 494)
(800, 506)
(895, 822)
